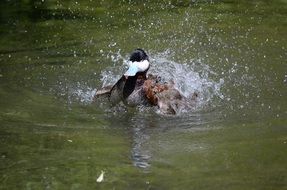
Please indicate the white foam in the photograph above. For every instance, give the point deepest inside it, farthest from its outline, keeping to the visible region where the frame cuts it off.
(85, 95)
(190, 77)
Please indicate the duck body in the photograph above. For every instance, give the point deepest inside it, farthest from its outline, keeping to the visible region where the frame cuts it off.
(135, 88)
(164, 95)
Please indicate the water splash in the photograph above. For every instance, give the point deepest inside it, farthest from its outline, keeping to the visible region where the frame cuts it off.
(75, 92)
(86, 95)
(189, 77)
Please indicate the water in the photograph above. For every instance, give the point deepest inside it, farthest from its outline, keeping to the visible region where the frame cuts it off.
(55, 55)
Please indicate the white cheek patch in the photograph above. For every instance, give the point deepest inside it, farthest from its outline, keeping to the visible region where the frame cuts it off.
(132, 71)
(135, 67)
(143, 65)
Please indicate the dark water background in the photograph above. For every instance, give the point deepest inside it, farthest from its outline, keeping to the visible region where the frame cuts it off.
(55, 54)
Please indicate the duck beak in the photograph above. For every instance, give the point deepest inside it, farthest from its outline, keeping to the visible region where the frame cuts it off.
(132, 71)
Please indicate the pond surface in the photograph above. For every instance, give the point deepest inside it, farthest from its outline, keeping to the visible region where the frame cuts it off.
(55, 55)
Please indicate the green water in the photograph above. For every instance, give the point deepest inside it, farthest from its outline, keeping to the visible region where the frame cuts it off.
(54, 53)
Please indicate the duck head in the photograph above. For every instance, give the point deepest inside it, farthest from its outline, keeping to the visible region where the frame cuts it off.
(138, 64)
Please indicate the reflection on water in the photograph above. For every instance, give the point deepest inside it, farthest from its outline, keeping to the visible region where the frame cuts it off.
(54, 55)
(140, 155)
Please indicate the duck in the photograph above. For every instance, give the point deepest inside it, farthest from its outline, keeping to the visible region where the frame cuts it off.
(128, 88)
(135, 87)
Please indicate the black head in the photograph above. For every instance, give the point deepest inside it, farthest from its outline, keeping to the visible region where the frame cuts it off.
(138, 55)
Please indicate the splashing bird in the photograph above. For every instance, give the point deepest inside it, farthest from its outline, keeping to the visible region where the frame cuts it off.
(135, 87)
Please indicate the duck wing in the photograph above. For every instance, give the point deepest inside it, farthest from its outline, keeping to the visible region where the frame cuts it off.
(113, 92)
(116, 93)
(105, 91)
